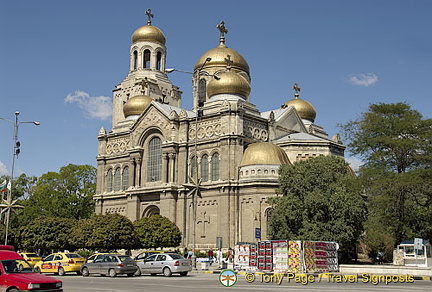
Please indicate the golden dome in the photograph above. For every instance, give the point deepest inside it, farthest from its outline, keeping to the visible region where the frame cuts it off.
(136, 105)
(218, 56)
(229, 83)
(304, 108)
(264, 153)
(148, 33)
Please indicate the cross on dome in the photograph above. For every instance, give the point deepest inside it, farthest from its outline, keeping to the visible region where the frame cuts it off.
(221, 27)
(149, 16)
(296, 89)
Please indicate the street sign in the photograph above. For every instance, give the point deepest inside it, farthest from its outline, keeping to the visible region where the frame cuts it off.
(418, 242)
(258, 233)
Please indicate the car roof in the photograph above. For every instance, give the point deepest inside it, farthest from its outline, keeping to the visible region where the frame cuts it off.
(9, 255)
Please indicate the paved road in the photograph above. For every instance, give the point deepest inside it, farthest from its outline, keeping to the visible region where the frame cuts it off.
(198, 281)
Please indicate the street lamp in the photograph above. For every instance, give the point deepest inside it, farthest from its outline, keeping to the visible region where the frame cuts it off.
(8, 204)
(194, 183)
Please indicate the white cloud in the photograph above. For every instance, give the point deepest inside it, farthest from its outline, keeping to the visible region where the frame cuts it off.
(94, 107)
(354, 162)
(366, 79)
(3, 169)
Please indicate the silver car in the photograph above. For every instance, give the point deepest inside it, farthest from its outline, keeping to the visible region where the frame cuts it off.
(164, 263)
(110, 264)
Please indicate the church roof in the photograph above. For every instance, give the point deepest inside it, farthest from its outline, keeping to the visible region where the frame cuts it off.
(299, 136)
(166, 108)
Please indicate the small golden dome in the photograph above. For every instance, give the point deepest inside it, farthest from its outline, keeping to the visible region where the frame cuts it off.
(229, 83)
(304, 108)
(136, 105)
(264, 153)
(218, 56)
(148, 33)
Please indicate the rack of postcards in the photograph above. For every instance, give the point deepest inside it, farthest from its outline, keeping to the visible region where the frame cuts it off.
(283, 256)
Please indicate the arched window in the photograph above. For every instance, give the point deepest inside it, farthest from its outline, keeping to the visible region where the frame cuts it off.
(109, 181)
(146, 60)
(125, 178)
(204, 168)
(158, 60)
(117, 180)
(201, 92)
(154, 160)
(193, 166)
(215, 167)
(268, 214)
(135, 60)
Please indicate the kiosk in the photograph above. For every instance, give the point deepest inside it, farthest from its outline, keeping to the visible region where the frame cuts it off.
(416, 252)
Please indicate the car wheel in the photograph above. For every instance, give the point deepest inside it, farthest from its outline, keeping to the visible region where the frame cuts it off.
(138, 272)
(112, 273)
(183, 273)
(13, 290)
(37, 269)
(20, 268)
(167, 272)
(61, 271)
(85, 272)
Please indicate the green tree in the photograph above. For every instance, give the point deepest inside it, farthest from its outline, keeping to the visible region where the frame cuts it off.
(105, 232)
(157, 231)
(66, 194)
(46, 233)
(320, 201)
(395, 143)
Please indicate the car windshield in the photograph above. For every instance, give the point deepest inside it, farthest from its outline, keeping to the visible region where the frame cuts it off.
(16, 266)
(73, 255)
(175, 256)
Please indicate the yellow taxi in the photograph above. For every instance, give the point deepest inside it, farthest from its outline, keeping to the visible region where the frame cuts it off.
(30, 257)
(60, 263)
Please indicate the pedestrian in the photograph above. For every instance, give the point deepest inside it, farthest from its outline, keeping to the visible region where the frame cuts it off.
(190, 254)
(210, 256)
(185, 252)
(380, 256)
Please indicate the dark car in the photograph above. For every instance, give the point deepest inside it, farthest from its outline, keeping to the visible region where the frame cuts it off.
(110, 264)
(164, 263)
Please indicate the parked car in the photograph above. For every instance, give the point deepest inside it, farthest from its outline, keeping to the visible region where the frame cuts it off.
(16, 274)
(60, 263)
(164, 263)
(31, 257)
(110, 264)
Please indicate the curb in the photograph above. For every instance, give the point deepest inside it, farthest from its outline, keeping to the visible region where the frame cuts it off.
(416, 278)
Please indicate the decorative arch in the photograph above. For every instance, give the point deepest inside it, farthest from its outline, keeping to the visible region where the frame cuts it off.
(151, 211)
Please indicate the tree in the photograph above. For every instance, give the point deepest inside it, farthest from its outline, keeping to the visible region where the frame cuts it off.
(66, 194)
(320, 201)
(395, 143)
(105, 232)
(46, 233)
(157, 231)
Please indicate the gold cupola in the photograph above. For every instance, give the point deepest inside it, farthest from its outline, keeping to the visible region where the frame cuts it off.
(260, 153)
(229, 82)
(136, 105)
(149, 32)
(219, 54)
(304, 108)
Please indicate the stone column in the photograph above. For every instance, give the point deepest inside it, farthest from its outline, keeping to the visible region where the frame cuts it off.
(172, 165)
(165, 167)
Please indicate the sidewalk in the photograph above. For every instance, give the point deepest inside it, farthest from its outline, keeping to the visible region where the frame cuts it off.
(344, 269)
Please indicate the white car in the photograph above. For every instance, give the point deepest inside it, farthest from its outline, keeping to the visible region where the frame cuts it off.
(164, 263)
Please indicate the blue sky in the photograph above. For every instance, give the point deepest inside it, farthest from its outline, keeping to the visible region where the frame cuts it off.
(60, 60)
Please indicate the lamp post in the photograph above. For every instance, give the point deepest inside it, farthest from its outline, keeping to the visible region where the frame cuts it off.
(8, 204)
(194, 183)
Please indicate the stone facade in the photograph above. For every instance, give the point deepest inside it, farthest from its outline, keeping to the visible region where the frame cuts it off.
(147, 160)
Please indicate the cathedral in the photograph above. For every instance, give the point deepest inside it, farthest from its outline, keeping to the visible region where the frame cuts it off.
(210, 169)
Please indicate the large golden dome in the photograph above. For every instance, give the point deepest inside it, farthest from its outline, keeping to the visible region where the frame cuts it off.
(148, 33)
(264, 153)
(136, 105)
(229, 82)
(304, 108)
(218, 56)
